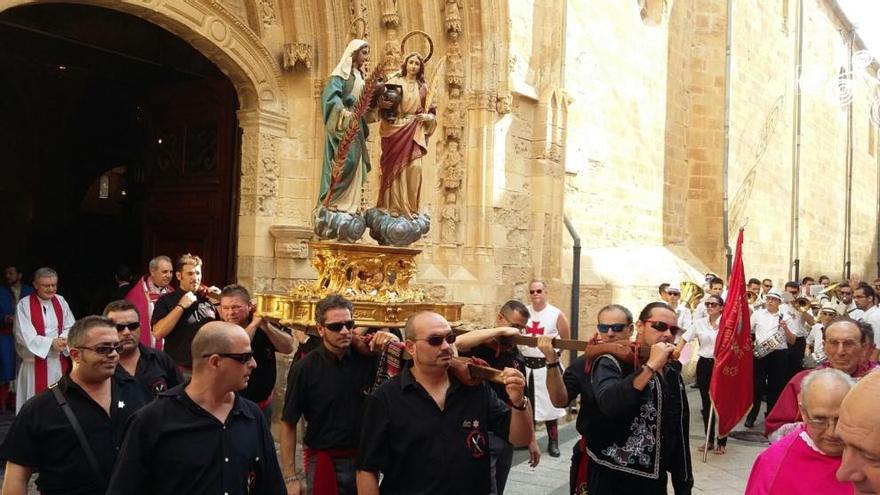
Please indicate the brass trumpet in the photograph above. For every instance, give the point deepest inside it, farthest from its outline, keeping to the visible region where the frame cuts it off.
(802, 304)
(751, 297)
(691, 294)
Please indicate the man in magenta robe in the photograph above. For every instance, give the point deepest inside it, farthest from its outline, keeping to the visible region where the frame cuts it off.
(806, 460)
(845, 343)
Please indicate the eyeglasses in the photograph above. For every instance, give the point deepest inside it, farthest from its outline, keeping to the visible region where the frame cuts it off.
(518, 326)
(104, 349)
(437, 340)
(536, 291)
(710, 304)
(614, 327)
(241, 357)
(339, 325)
(661, 326)
(821, 422)
(767, 286)
(131, 326)
(842, 293)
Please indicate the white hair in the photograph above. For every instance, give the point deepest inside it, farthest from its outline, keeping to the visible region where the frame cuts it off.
(45, 272)
(831, 373)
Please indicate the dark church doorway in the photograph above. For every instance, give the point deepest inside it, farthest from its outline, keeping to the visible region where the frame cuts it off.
(119, 142)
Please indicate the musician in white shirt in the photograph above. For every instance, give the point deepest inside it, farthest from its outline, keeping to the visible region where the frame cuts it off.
(866, 300)
(772, 334)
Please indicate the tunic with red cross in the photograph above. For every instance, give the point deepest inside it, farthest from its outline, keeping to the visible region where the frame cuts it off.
(534, 329)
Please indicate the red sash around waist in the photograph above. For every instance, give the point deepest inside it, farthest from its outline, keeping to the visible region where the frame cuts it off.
(324, 482)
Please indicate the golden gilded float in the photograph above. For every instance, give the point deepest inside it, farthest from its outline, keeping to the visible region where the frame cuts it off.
(375, 278)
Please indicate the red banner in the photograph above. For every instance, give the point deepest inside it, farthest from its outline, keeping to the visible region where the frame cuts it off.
(731, 387)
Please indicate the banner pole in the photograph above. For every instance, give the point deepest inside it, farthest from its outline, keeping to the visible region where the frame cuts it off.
(708, 429)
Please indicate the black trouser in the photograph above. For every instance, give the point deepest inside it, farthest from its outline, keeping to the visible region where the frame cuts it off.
(770, 376)
(501, 459)
(704, 377)
(796, 357)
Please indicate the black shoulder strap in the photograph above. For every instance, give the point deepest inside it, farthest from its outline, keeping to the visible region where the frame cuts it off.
(62, 401)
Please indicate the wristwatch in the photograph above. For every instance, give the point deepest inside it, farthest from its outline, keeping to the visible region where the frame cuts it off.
(521, 407)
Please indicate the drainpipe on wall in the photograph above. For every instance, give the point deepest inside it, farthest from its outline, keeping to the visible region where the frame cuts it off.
(796, 148)
(575, 282)
(728, 60)
(847, 263)
(877, 234)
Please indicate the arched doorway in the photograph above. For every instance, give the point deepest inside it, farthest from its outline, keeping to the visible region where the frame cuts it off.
(109, 105)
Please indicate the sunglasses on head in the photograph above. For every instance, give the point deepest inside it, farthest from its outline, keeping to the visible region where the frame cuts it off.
(339, 325)
(131, 326)
(614, 327)
(104, 349)
(661, 326)
(536, 291)
(437, 340)
(241, 357)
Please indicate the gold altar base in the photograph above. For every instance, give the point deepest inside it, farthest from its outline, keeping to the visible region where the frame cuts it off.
(375, 278)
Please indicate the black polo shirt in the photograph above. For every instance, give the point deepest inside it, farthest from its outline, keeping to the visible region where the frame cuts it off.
(178, 342)
(42, 439)
(330, 393)
(421, 449)
(262, 380)
(577, 382)
(173, 446)
(155, 371)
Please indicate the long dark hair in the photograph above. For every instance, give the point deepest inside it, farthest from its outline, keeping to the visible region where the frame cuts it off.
(420, 75)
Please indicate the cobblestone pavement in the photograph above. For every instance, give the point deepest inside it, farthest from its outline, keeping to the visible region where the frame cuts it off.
(720, 475)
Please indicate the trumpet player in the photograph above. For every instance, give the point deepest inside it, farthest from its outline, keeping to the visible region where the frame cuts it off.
(802, 322)
(772, 333)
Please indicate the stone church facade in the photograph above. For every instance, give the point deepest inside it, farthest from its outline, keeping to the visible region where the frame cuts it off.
(612, 114)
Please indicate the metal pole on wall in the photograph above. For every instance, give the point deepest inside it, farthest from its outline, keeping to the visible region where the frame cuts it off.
(575, 282)
(726, 161)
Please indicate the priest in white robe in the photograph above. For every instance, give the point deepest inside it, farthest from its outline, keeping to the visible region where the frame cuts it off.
(42, 321)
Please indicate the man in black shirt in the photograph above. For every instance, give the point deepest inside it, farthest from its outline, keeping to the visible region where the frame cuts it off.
(615, 325)
(179, 315)
(201, 438)
(42, 439)
(328, 387)
(426, 432)
(638, 423)
(488, 344)
(266, 340)
(153, 369)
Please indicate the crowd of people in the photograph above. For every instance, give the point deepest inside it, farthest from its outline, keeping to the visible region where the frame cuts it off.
(170, 390)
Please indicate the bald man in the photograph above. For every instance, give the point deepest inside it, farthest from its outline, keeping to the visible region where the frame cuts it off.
(805, 461)
(859, 429)
(201, 437)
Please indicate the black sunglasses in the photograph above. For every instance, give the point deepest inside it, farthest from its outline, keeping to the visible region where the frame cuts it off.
(710, 304)
(536, 291)
(104, 349)
(437, 340)
(339, 325)
(661, 326)
(131, 326)
(241, 357)
(614, 327)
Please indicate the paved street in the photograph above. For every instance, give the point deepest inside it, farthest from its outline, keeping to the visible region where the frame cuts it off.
(720, 475)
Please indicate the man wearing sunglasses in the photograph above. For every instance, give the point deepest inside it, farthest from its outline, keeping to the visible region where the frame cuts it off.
(201, 437)
(426, 432)
(152, 368)
(615, 324)
(327, 388)
(43, 440)
(488, 344)
(848, 306)
(770, 326)
(637, 428)
(544, 319)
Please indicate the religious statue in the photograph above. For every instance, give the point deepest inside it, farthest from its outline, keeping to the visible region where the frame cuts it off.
(408, 120)
(345, 104)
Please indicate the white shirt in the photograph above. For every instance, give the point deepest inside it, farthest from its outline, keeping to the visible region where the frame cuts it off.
(765, 324)
(872, 317)
(684, 316)
(797, 327)
(705, 333)
(854, 312)
(816, 339)
(700, 311)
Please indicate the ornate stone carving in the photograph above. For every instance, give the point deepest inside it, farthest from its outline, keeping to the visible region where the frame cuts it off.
(454, 68)
(291, 242)
(297, 54)
(393, 56)
(453, 19)
(503, 104)
(449, 225)
(390, 17)
(267, 12)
